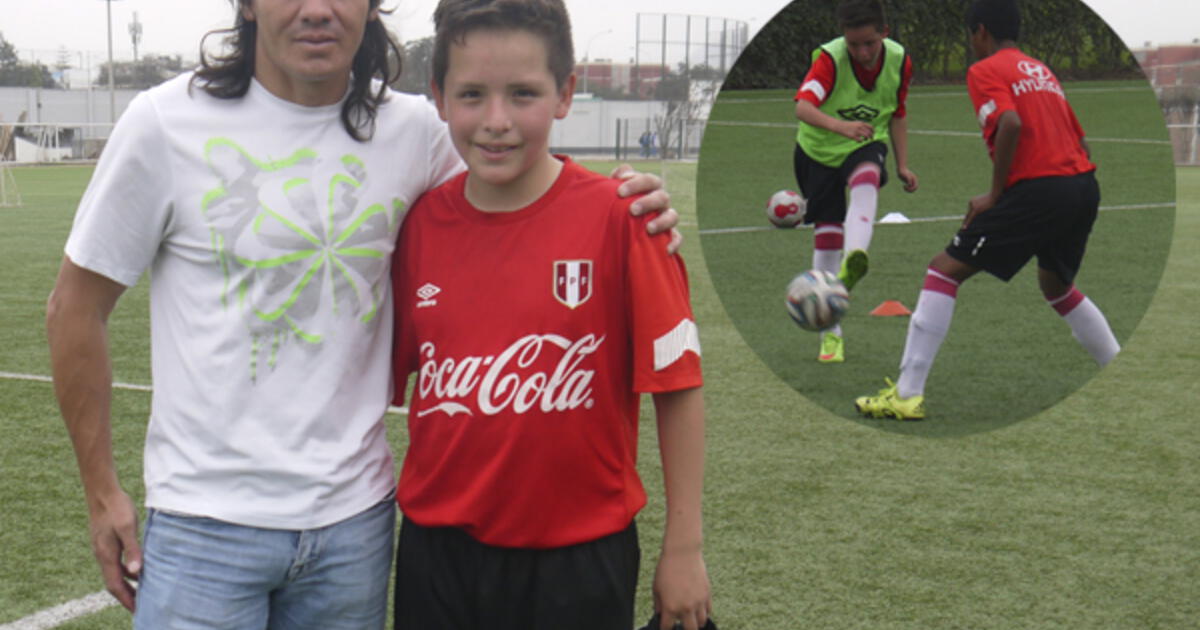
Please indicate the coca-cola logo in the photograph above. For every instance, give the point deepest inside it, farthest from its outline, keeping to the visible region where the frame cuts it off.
(509, 380)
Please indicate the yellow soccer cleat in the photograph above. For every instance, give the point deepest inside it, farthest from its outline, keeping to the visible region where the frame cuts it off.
(888, 404)
(854, 267)
(833, 348)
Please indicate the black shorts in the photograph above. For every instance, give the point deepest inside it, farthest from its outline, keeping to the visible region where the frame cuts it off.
(824, 187)
(447, 580)
(1047, 217)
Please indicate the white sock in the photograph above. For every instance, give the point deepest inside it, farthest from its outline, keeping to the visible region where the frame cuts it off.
(1088, 325)
(926, 330)
(827, 247)
(827, 253)
(860, 210)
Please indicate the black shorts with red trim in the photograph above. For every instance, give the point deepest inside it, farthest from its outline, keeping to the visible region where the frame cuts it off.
(1047, 217)
(447, 580)
(824, 187)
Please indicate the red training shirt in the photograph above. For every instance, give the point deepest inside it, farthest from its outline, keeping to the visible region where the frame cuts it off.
(532, 333)
(1049, 144)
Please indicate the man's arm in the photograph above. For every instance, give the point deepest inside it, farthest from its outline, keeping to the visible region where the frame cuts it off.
(1008, 132)
(681, 587)
(898, 129)
(77, 329)
(655, 199)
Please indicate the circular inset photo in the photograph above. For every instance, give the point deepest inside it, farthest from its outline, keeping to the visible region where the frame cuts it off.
(994, 189)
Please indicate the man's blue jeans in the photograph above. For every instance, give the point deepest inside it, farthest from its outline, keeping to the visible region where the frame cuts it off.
(204, 573)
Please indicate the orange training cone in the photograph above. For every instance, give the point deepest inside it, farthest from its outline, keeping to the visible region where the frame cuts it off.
(891, 308)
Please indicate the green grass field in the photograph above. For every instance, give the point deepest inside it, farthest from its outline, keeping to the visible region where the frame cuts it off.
(1087, 515)
(1007, 355)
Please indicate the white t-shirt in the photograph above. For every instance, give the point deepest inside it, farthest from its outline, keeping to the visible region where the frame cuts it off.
(268, 233)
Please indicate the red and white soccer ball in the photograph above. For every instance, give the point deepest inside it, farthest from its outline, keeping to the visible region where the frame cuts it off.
(817, 300)
(786, 209)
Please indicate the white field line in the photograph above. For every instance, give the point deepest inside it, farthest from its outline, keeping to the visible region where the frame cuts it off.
(62, 613)
(53, 617)
(926, 132)
(16, 376)
(765, 228)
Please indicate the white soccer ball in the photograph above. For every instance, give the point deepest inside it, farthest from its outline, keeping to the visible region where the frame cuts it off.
(786, 209)
(817, 300)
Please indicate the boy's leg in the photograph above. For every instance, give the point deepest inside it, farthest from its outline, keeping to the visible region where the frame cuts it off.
(1088, 325)
(447, 580)
(863, 175)
(905, 399)
(827, 255)
(436, 579)
(823, 188)
(339, 580)
(864, 201)
(930, 322)
(589, 586)
(1060, 261)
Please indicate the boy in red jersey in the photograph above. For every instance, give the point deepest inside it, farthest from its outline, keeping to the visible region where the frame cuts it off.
(850, 102)
(1042, 202)
(534, 311)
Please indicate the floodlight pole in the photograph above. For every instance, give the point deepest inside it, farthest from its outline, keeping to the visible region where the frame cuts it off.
(112, 70)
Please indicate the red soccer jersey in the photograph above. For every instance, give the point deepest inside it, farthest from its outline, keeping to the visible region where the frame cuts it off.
(1049, 145)
(818, 82)
(532, 333)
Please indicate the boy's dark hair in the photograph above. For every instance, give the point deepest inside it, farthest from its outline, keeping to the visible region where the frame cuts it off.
(547, 19)
(1001, 18)
(228, 76)
(857, 13)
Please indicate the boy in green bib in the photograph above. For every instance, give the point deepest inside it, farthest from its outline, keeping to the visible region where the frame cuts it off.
(849, 104)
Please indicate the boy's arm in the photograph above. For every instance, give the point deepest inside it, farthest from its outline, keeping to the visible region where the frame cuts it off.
(1008, 132)
(681, 587)
(898, 129)
(808, 114)
(76, 327)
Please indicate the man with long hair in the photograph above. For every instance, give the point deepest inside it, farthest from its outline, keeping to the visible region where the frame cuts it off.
(263, 193)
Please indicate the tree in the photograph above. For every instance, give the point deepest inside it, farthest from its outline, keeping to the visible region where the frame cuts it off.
(14, 72)
(686, 101)
(417, 67)
(144, 73)
(1066, 34)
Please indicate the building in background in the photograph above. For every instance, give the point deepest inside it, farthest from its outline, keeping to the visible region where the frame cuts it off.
(1174, 73)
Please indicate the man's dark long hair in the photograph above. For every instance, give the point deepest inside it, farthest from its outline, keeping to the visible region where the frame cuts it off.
(228, 76)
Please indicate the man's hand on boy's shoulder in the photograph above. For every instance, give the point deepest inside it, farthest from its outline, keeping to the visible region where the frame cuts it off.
(654, 199)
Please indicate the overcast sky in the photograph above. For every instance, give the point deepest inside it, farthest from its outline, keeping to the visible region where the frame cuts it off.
(602, 29)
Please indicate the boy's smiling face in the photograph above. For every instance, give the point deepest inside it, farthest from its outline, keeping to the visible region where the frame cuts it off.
(500, 101)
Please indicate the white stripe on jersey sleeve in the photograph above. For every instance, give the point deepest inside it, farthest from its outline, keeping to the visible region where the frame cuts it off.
(669, 347)
(986, 110)
(816, 88)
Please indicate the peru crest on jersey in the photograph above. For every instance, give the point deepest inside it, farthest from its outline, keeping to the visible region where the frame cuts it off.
(572, 282)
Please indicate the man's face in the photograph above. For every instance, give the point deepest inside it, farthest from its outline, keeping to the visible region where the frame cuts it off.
(500, 100)
(304, 48)
(865, 44)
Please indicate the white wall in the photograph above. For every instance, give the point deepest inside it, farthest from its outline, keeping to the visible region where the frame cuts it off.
(590, 128)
